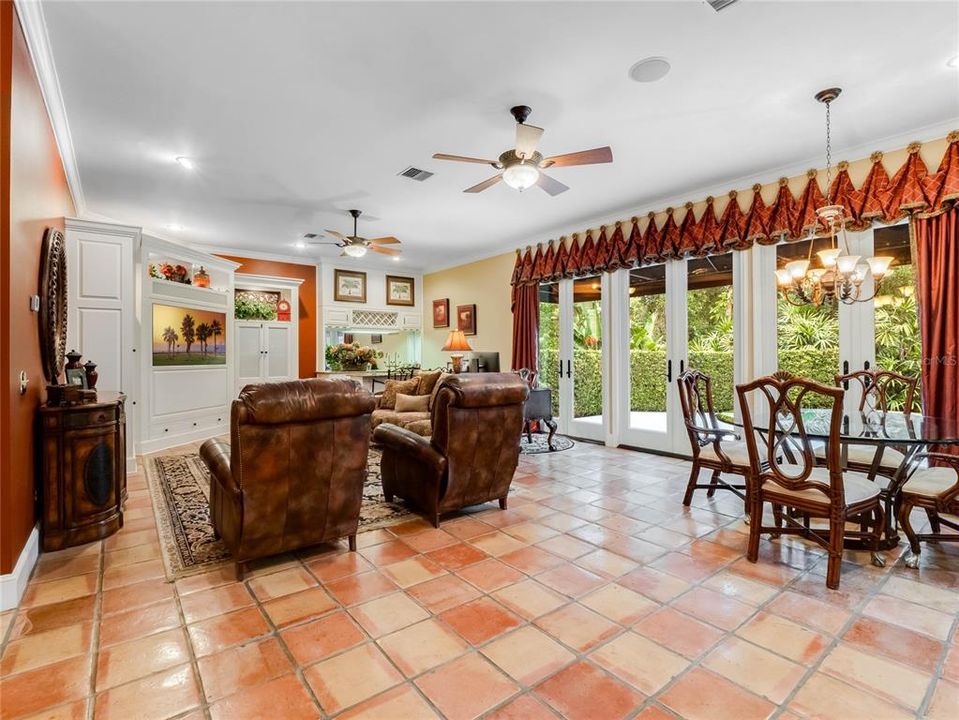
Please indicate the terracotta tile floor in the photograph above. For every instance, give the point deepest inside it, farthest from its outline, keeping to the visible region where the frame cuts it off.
(596, 595)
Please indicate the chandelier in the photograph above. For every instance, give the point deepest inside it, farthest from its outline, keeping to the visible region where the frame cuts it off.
(840, 275)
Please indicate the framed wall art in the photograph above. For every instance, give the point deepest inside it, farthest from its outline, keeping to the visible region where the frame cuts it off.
(349, 286)
(400, 291)
(441, 313)
(466, 319)
(188, 336)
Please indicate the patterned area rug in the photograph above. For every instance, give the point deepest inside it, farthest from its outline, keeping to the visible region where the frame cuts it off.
(180, 488)
(560, 442)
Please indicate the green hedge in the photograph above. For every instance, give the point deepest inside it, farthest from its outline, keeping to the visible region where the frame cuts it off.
(648, 376)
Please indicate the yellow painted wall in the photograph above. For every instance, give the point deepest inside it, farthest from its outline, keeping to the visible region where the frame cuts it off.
(485, 283)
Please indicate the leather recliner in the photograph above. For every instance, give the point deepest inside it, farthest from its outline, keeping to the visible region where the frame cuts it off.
(293, 473)
(473, 451)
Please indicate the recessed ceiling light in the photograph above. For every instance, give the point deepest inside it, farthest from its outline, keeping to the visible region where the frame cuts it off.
(186, 163)
(953, 62)
(396, 258)
(174, 227)
(649, 69)
(299, 245)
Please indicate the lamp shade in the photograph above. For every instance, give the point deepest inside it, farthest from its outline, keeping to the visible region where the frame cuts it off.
(456, 342)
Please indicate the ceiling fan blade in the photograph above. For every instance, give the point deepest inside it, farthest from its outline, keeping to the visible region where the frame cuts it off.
(388, 240)
(462, 158)
(383, 250)
(583, 157)
(527, 138)
(485, 184)
(334, 233)
(325, 243)
(553, 187)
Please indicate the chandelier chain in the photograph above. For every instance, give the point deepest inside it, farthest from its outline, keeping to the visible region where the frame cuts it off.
(828, 153)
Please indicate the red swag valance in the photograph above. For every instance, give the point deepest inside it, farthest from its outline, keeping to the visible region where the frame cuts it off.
(911, 190)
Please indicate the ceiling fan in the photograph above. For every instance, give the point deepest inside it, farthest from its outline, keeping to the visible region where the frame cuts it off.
(523, 166)
(356, 246)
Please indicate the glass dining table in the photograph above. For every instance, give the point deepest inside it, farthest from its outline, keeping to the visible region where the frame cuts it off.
(910, 434)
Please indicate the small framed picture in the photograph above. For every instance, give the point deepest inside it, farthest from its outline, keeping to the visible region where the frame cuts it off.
(376, 339)
(349, 286)
(399, 291)
(466, 319)
(441, 313)
(77, 376)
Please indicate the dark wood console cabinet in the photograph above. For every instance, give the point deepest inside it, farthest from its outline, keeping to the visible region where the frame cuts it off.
(82, 471)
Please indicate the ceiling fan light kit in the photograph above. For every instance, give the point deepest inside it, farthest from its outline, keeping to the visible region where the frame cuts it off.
(522, 167)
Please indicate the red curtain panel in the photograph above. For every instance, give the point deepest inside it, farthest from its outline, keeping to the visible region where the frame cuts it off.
(525, 326)
(937, 250)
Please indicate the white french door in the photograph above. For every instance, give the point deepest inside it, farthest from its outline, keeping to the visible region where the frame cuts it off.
(612, 346)
(583, 357)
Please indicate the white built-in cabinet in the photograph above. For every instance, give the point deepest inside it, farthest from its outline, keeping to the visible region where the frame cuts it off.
(184, 399)
(267, 350)
(101, 302)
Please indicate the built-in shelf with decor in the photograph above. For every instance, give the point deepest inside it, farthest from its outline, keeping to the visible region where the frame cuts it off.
(187, 337)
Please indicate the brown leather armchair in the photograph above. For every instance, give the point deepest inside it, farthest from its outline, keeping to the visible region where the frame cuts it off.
(293, 473)
(473, 452)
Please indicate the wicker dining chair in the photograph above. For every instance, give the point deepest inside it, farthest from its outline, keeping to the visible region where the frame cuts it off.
(706, 439)
(793, 478)
(936, 490)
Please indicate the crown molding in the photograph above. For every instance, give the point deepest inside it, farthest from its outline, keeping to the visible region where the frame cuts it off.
(888, 144)
(30, 14)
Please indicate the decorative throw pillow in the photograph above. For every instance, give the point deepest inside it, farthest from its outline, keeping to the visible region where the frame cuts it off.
(428, 381)
(395, 387)
(436, 387)
(412, 403)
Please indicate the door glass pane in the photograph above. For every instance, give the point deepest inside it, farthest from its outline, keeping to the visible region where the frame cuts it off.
(897, 316)
(278, 357)
(588, 349)
(709, 303)
(248, 339)
(548, 371)
(807, 336)
(647, 348)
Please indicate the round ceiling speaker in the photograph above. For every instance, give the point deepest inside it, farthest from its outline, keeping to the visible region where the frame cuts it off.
(649, 69)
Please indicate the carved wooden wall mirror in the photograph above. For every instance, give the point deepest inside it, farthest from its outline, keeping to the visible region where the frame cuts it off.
(53, 304)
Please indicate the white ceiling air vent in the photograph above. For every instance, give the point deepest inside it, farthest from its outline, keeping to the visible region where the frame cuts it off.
(718, 5)
(415, 174)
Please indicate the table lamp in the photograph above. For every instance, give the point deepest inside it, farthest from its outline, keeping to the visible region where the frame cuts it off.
(456, 344)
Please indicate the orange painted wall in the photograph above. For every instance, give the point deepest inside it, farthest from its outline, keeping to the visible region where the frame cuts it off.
(307, 309)
(35, 196)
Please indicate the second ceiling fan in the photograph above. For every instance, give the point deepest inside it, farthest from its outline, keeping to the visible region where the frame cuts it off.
(356, 246)
(523, 166)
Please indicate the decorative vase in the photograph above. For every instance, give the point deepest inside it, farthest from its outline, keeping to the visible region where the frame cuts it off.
(73, 360)
(90, 368)
(201, 278)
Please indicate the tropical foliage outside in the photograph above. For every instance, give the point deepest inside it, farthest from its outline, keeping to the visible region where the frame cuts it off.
(808, 341)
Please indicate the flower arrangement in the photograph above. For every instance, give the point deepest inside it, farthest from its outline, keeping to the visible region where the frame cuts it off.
(351, 356)
(173, 273)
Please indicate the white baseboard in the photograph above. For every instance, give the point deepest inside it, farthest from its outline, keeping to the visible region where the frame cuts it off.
(13, 584)
(131, 465)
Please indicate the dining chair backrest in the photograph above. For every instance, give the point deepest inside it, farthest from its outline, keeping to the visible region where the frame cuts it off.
(699, 413)
(773, 426)
(881, 390)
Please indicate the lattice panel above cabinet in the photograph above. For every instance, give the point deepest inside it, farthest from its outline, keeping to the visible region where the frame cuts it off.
(374, 319)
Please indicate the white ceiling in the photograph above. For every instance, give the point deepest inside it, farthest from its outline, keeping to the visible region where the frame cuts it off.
(295, 112)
